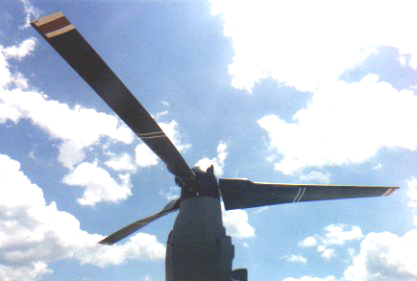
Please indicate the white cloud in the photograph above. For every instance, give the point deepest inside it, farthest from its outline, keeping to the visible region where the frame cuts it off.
(30, 271)
(77, 127)
(99, 184)
(412, 196)
(123, 162)
(8, 112)
(296, 259)
(70, 153)
(326, 253)
(9, 78)
(335, 235)
(31, 12)
(308, 43)
(34, 233)
(385, 256)
(315, 176)
(217, 162)
(344, 124)
(173, 193)
(309, 278)
(309, 241)
(25, 48)
(382, 256)
(144, 156)
(140, 246)
(237, 224)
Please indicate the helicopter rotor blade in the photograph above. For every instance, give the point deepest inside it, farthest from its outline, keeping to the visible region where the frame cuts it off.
(135, 226)
(243, 193)
(69, 43)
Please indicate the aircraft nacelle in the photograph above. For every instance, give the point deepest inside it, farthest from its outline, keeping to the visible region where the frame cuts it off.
(198, 247)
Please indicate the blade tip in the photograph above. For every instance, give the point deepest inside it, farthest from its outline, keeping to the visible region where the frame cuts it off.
(390, 191)
(46, 19)
(106, 241)
(52, 25)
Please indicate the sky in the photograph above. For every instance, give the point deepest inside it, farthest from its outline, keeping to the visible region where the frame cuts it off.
(274, 91)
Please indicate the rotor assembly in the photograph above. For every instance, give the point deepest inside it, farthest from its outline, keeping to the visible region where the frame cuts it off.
(198, 247)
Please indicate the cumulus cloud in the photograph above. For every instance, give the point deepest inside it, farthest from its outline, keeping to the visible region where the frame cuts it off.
(315, 176)
(122, 162)
(77, 129)
(296, 259)
(309, 241)
(338, 236)
(77, 124)
(31, 12)
(140, 246)
(382, 256)
(344, 124)
(237, 224)
(144, 156)
(334, 235)
(99, 185)
(25, 48)
(301, 44)
(412, 195)
(217, 162)
(34, 232)
(10, 79)
(30, 271)
(385, 256)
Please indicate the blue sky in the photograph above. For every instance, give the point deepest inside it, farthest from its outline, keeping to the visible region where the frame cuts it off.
(274, 91)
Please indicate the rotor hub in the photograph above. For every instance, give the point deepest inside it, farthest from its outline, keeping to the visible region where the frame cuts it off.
(207, 184)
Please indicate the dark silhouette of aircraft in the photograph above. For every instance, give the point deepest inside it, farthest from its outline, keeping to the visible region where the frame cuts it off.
(198, 248)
